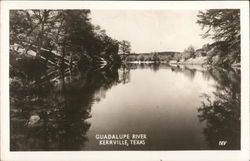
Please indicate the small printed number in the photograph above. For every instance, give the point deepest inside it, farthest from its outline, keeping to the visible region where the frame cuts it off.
(222, 143)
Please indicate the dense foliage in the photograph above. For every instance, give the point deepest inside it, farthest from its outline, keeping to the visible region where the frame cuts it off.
(223, 26)
(68, 34)
(189, 52)
(125, 47)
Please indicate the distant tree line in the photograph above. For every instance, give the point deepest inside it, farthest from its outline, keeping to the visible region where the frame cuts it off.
(140, 57)
(188, 53)
(67, 33)
(153, 57)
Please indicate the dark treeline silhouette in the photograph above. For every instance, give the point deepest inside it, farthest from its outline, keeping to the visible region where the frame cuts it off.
(59, 61)
(153, 57)
(61, 37)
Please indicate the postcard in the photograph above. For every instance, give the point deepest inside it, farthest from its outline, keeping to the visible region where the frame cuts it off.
(109, 80)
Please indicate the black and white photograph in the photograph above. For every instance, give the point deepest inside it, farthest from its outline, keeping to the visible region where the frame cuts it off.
(89, 79)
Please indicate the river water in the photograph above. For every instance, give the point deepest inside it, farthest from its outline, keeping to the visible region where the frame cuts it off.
(173, 107)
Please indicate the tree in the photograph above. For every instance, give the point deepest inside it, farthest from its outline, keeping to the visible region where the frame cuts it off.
(189, 52)
(141, 58)
(125, 47)
(223, 25)
(177, 57)
(68, 33)
(156, 57)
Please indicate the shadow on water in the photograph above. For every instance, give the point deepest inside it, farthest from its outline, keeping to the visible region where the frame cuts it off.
(186, 71)
(221, 111)
(153, 66)
(50, 108)
(50, 111)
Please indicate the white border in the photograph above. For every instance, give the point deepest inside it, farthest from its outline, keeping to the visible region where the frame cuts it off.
(242, 155)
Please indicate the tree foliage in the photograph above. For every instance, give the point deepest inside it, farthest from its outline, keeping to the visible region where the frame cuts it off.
(68, 33)
(125, 47)
(189, 52)
(223, 26)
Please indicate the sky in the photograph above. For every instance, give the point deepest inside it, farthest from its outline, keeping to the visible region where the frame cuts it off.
(152, 30)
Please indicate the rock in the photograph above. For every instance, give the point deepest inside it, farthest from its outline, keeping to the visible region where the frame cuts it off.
(33, 120)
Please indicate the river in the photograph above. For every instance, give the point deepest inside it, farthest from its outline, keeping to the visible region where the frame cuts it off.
(175, 107)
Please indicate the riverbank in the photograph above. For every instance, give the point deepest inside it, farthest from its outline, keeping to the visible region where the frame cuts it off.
(191, 61)
(201, 61)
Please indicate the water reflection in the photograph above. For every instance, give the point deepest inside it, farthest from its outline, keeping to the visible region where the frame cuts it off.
(153, 66)
(62, 110)
(49, 112)
(221, 111)
(189, 72)
(124, 74)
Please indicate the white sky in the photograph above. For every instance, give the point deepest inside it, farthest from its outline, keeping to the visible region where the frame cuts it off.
(152, 30)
